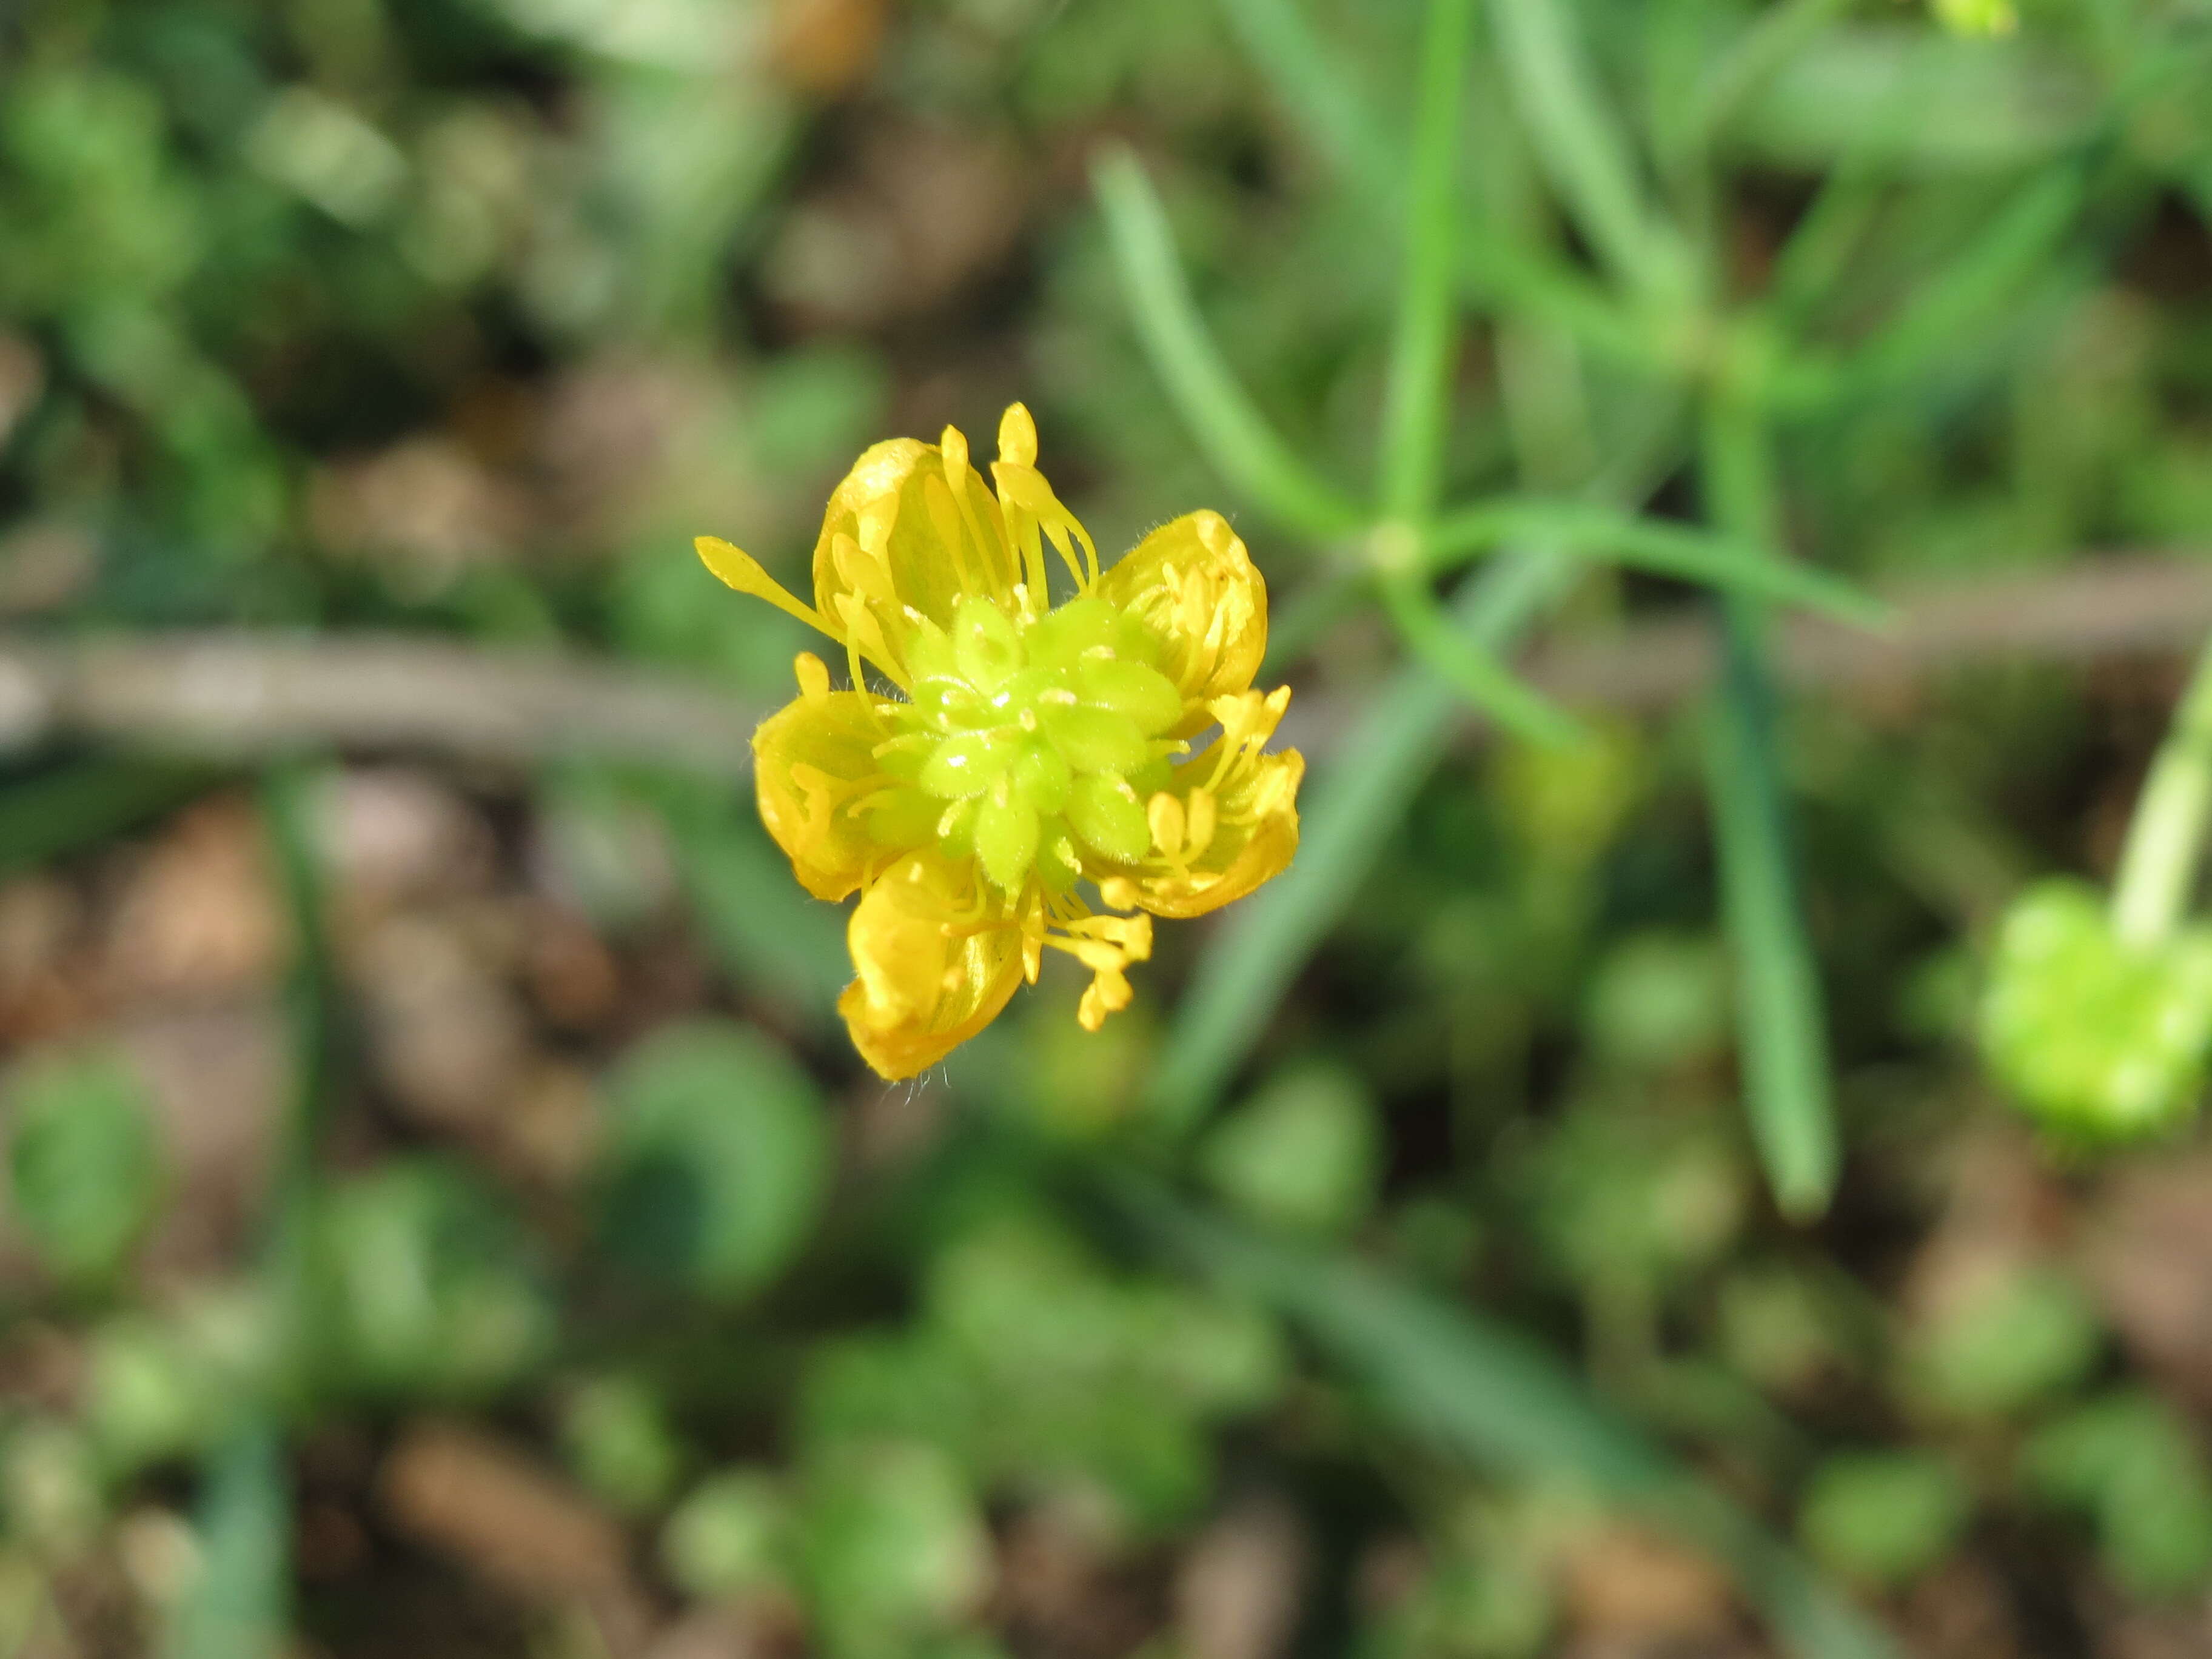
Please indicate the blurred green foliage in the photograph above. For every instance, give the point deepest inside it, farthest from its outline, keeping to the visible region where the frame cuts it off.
(423, 1287)
(1037, 1369)
(2134, 1469)
(1302, 1154)
(1884, 1518)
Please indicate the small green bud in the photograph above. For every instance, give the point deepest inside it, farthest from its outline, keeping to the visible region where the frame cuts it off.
(2093, 1035)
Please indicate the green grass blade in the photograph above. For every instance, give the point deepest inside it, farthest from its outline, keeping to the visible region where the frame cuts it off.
(1350, 810)
(1957, 303)
(1781, 1022)
(1308, 84)
(1535, 285)
(1267, 938)
(1810, 268)
(57, 811)
(1769, 40)
(1416, 399)
(1221, 416)
(1584, 150)
(1666, 549)
(1781, 1025)
(1494, 270)
(1471, 667)
(1481, 1391)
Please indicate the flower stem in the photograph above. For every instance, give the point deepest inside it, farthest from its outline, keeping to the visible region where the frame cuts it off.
(2166, 838)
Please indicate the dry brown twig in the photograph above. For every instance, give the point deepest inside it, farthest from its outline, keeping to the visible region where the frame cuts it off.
(243, 695)
(2104, 606)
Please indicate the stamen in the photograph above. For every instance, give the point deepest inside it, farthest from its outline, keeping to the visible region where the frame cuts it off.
(1017, 439)
(945, 520)
(1163, 814)
(740, 570)
(991, 549)
(1062, 545)
(865, 633)
(1198, 832)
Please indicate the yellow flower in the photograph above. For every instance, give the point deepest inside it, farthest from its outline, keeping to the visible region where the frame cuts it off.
(1025, 751)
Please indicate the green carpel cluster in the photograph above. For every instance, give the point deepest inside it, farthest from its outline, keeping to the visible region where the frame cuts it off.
(1029, 744)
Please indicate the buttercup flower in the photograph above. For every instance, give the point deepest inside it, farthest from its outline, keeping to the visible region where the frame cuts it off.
(1026, 751)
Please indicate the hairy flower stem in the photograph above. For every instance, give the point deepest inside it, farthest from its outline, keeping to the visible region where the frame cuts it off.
(2166, 838)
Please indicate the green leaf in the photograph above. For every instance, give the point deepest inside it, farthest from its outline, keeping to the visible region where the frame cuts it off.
(1658, 1001)
(718, 1156)
(84, 1172)
(1219, 413)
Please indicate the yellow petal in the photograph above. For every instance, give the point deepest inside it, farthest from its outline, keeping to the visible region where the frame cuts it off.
(1254, 835)
(812, 760)
(888, 548)
(1192, 583)
(930, 974)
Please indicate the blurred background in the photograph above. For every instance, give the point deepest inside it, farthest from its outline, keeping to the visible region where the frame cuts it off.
(441, 1213)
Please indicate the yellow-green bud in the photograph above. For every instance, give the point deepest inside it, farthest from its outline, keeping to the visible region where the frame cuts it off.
(2095, 1037)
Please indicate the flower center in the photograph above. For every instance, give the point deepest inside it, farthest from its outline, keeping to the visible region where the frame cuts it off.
(1029, 744)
